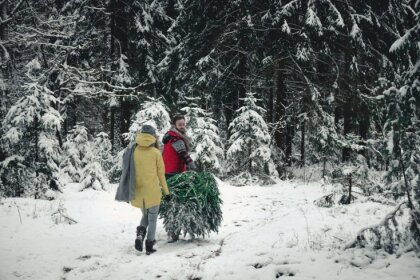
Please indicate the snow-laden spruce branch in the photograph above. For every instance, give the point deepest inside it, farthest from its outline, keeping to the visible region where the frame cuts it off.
(46, 34)
(11, 14)
(360, 237)
(105, 83)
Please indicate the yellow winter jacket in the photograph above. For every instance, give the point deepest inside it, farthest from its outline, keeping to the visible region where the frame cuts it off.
(150, 170)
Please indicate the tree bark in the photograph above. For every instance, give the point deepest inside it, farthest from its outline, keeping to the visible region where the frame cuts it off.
(112, 128)
(290, 132)
(119, 36)
(270, 111)
(347, 114)
(125, 115)
(302, 144)
(280, 107)
(3, 27)
(364, 123)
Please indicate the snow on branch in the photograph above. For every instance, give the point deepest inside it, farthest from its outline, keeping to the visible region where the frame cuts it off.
(405, 39)
(61, 216)
(383, 235)
(10, 16)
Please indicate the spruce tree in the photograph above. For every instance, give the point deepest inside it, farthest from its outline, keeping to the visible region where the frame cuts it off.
(30, 128)
(402, 128)
(249, 155)
(207, 150)
(153, 112)
(75, 149)
(102, 149)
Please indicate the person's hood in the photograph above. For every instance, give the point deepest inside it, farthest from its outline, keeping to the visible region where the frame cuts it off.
(145, 140)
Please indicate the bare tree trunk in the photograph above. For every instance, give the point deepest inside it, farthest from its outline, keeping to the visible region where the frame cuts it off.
(280, 107)
(112, 128)
(125, 113)
(350, 186)
(290, 131)
(3, 27)
(347, 113)
(364, 122)
(347, 89)
(270, 111)
(302, 145)
(119, 36)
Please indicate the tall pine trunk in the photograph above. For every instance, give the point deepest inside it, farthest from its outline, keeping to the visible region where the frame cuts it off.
(125, 115)
(112, 128)
(4, 72)
(364, 123)
(348, 101)
(347, 114)
(290, 132)
(119, 37)
(3, 26)
(280, 107)
(302, 144)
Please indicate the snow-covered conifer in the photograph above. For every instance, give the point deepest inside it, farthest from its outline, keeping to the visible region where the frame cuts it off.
(30, 133)
(207, 151)
(102, 149)
(153, 112)
(75, 149)
(249, 153)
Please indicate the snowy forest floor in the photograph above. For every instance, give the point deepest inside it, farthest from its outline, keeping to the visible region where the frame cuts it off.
(267, 233)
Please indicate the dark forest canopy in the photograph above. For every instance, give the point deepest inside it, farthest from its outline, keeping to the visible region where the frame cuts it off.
(268, 87)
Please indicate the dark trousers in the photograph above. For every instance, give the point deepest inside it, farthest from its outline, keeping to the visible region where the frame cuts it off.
(169, 175)
(174, 235)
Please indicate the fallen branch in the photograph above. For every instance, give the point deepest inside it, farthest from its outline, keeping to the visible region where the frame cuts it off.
(361, 239)
(61, 214)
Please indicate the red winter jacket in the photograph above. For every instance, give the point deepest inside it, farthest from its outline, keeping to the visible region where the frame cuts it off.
(175, 153)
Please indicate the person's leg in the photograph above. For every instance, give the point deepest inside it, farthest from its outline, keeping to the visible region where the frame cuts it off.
(152, 215)
(174, 235)
(141, 231)
(144, 220)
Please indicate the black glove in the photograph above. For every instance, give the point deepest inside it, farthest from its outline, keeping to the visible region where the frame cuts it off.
(191, 166)
(168, 197)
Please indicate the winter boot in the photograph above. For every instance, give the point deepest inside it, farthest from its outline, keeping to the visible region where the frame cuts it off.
(149, 247)
(174, 237)
(141, 233)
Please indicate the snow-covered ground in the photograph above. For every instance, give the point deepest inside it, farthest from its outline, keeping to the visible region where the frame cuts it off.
(267, 233)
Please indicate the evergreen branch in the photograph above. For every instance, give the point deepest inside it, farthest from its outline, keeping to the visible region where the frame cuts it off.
(12, 13)
(375, 229)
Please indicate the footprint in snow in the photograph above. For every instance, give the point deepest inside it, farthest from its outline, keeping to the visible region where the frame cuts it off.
(285, 273)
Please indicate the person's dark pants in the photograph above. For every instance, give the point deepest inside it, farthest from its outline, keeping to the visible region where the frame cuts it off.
(174, 235)
(169, 175)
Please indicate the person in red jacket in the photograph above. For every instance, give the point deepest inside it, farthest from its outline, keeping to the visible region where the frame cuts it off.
(176, 147)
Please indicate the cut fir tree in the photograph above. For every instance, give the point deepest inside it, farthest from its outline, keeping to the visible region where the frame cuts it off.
(195, 205)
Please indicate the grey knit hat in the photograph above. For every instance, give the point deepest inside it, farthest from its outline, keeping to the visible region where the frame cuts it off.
(148, 129)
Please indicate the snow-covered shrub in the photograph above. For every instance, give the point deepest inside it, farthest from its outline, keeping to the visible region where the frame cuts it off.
(249, 155)
(351, 179)
(13, 175)
(75, 149)
(153, 112)
(207, 151)
(116, 168)
(93, 175)
(102, 149)
(29, 137)
(84, 158)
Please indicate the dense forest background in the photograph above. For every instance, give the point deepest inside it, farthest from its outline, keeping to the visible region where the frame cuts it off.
(269, 87)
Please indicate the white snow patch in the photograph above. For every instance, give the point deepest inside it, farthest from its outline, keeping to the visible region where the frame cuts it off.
(267, 233)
